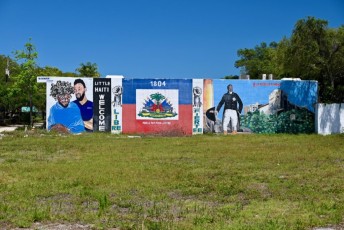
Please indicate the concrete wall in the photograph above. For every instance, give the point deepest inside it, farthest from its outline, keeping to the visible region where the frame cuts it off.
(329, 118)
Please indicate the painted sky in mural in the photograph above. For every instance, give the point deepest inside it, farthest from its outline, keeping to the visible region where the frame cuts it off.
(257, 92)
(270, 105)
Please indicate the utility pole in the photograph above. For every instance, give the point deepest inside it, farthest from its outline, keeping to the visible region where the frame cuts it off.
(7, 71)
(30, 89)
(7, 77)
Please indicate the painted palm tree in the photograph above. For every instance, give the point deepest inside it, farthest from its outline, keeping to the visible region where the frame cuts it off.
(157, 97)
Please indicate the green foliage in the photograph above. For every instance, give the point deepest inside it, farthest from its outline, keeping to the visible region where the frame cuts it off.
(26, 80)
(259, 122)
(7, 103)
(316, 53)
(306, 40)
(293, 121)
(258, 61)
(158, 97)
(22, 87)
(88, 70)
(54, 72)
(313, 52)
(25, 83)
(231, 77)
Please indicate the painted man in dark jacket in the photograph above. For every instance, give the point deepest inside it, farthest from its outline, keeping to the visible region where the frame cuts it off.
(231, 110)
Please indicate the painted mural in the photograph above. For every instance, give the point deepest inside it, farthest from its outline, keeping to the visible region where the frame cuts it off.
(180, 106)
(197, 106)
(69, 105)
(256, 106)
(157, 106)
(76, 105)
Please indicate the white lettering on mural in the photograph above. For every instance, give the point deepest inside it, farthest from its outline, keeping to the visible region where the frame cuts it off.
(156, 122)
(102, 83)
(102, 89)
(158, 83)
(101, 112)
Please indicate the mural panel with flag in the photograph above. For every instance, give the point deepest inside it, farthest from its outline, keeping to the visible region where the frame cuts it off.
(157, 106)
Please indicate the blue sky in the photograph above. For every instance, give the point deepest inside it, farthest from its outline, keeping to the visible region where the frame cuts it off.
(153, 38)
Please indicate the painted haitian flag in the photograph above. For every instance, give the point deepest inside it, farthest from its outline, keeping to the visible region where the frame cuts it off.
(157, 106)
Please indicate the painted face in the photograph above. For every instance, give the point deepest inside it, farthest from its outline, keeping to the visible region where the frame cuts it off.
(79, 91)
(64, 99)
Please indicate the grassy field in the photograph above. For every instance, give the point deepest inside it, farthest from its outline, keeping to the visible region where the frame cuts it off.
(198, 182)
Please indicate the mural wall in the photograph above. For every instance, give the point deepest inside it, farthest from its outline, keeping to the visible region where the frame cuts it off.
(70, 105)
(329, 118)
(180, 106)
(77, 105)
(269, 106)
(157, 106)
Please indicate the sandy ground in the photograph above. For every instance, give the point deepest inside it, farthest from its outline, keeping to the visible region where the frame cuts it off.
(7, 128)
(10, 128)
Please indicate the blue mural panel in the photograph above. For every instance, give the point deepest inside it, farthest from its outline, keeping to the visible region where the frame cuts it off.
(268, 106)
(184, 87)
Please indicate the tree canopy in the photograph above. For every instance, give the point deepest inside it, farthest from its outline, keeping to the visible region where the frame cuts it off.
(20, 88)
(313, 52)
(258, 61)
(88, 70)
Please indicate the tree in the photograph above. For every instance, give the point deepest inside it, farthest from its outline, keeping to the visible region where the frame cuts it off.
(6, 102)
(281, 56)
(88, 70)
(231, 77)
(258, 61)
(26, 80)
(303, 56)
(53, 71)
(315, 52)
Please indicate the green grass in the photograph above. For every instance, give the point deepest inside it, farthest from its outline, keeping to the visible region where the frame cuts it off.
(198, 182)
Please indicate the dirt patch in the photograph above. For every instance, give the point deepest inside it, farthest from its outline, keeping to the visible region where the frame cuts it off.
(57, 226)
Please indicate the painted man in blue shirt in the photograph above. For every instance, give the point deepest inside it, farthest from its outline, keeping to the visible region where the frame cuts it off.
(85, 106)
(64, 116)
